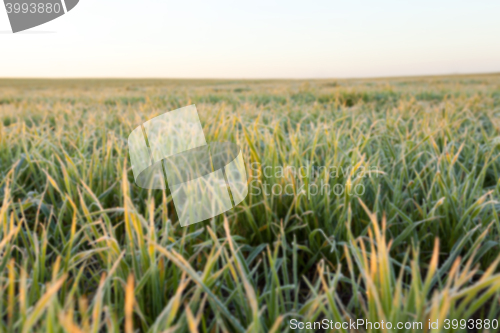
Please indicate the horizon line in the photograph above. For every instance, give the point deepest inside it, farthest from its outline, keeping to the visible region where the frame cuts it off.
(251, 79)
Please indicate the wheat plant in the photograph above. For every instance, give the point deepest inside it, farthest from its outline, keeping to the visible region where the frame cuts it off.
(413, 236)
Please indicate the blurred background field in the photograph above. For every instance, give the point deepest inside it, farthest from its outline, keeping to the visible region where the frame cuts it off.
(83, 249)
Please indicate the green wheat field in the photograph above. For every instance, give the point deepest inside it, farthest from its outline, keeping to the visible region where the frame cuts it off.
(411, 233)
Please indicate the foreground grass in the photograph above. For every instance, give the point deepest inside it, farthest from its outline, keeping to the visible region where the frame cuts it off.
(82, 249)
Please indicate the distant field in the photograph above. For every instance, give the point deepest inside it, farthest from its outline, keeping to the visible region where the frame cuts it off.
(407, 227)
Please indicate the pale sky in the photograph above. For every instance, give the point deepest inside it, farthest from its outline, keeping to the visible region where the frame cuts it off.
(257, 39)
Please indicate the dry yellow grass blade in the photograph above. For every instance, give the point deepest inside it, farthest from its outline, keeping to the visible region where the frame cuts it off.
(12, 234)
(42, 304)
(191, 321)
(68, 324)
(97, 310)
(129, 305)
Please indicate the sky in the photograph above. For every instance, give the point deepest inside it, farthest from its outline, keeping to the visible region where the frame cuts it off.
(257, 39)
